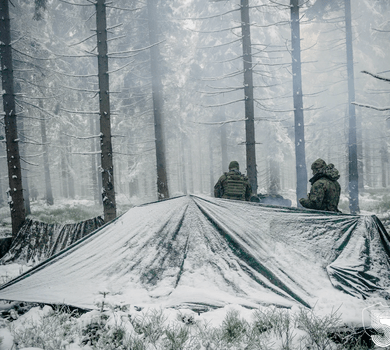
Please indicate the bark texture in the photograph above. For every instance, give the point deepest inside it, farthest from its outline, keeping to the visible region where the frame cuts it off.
(15, 191)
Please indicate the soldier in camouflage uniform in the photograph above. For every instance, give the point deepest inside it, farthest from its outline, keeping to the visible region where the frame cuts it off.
(325, 190)
(233, 184)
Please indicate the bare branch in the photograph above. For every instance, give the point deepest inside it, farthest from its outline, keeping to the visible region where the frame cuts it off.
(82, 41)
(220, 123)
(371, 107)
(82, 137)
(87, 153)
(224, 44)
(72, 3)
(78, 112)
(376, 76)
(137, 50)
(222, 104)
(125, 9)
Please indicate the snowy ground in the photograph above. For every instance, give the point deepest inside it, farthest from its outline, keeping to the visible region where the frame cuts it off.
(171, 318)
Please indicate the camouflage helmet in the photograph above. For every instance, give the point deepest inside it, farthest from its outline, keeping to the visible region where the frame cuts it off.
(318, 165)
(234, 165)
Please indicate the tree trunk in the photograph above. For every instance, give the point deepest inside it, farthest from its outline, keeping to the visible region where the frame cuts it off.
(212, 180)
(367, 158)
(94, 171)
(157, 91)
(107, 168)
(248, 91)
(1, 170)
(16, 202)
(353, 183)
(64, 166)
(26, 192)
(384, 161)
(299, 126)
(46, 166)
(225, 163)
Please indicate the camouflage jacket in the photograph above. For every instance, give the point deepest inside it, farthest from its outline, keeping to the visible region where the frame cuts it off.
(325, 191)
(233, 185)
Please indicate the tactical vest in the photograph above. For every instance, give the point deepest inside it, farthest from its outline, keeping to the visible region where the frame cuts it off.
(234, 186)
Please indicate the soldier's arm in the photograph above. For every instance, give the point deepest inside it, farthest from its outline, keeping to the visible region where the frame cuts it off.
(248, 192)
(218, 188)
(316, 196)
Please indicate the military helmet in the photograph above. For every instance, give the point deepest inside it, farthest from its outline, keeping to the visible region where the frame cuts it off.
(318, 164)
(234, 165)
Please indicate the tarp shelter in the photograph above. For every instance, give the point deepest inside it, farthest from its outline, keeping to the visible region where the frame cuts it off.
(36, 241)
(201, 252)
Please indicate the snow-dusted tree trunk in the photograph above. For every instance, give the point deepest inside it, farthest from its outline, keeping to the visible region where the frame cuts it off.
(299, 126)
(224, 160)
(353, 183)
(94, 172)
(107, 168)
(46, 166)
(157, 91)
(248, 93)
(26, 192)
(18, 213)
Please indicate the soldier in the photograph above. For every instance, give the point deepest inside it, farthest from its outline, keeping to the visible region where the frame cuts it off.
(325, 190)
(233, 184)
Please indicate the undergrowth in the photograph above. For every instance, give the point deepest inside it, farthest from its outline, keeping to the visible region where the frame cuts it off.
(276, 329)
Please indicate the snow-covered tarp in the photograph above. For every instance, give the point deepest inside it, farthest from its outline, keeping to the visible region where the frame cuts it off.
(202, 252)
(36, 241)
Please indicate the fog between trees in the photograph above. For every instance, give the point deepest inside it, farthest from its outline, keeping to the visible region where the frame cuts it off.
(202, 94)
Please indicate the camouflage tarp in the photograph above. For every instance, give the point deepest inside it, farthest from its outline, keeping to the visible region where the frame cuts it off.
(36, 241)
(206, 252)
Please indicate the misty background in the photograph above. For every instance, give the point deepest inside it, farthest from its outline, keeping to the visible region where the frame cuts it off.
(203, 116)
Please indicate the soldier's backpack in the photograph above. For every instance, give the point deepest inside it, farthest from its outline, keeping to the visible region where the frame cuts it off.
(234, 187)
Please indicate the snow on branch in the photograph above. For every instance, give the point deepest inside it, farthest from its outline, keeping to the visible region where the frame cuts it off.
(87, 153)
(220, 123)
(82, 41)
(222, 104)
(32, 57)
(73, 75)
(82, 137)
(219, 45)
(125, 9)
(371, 107)
(77, 89)
(76, 4)
(233, 74)
(79, 112)
(120, 68)
(137, 50)
(214, 31)
(37, 107)
(376, 76)
(279, 4)
(222, 91)
(29, 163)
(134, 154)
(209, 17)
(269, 25)
(116, 38)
